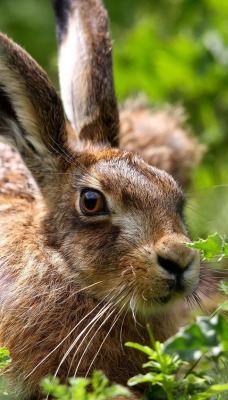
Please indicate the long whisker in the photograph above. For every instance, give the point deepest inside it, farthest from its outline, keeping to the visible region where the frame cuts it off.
(133, 307)
(87, 346)
(198, 301)
(113, 324)
(96, 318)
(101, 312)
(116, 302)
(121, 330)
(65, 338)
(85, 288)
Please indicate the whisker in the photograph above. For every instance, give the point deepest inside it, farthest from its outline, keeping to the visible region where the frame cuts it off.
(65, 338)
(113, 324)
(144, 298)
(96, 318)
(84, 288)
(87, 346)
(121, 330)
(116, 302)
(200, 303)
(190, 302)
(133, 309)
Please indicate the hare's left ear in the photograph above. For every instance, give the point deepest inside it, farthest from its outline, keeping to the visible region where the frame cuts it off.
(85, 69)
(31, 114)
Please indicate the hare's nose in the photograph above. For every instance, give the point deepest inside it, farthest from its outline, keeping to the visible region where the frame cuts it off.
(174, 256)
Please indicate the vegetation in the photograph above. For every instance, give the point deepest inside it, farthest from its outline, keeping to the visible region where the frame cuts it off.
(193, 364)
(100, 388)
(4, 358)
(187, 365)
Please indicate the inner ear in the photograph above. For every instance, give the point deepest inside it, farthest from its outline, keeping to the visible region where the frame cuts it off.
(6, 109)
(5, 105)
(85, 70)
(32, 118)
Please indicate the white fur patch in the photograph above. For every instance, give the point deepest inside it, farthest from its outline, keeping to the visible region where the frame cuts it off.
(75, 75)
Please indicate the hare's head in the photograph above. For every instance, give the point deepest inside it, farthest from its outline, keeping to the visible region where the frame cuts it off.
(116, 220)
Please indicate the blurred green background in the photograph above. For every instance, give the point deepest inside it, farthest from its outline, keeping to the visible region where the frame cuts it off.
(174, 51)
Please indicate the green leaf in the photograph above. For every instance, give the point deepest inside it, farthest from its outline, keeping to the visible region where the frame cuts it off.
(224, 286)
(137, 379)
(144, 349)
(195, 380)
(212, 246)
(150, 377)
(77, 389)
(226, 249)
(213, 390)
(53, 387)
(205, 335)
(4, 357)
(223, 306)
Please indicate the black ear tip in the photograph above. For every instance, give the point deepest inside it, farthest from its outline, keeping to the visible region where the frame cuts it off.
(62, 10)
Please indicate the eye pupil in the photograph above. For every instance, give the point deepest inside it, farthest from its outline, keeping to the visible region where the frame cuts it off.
(90, 200)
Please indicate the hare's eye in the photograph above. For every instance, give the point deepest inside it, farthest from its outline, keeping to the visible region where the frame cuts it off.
(91, 203)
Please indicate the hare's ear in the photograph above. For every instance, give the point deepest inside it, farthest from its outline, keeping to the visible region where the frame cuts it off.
(31, 115)
(85, 69)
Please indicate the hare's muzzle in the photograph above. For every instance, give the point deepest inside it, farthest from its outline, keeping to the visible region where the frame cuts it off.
(173, 255)
(163, 272)
(178, 263)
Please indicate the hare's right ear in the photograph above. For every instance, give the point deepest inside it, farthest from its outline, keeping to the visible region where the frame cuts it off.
(31, 115)
(85, 70)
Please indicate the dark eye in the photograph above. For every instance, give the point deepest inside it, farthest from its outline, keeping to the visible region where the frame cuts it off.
(92, 203)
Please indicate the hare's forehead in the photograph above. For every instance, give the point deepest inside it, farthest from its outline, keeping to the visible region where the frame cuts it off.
(135, 180)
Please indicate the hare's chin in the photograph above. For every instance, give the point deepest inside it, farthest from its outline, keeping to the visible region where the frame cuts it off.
(147, 306)
(158, 305)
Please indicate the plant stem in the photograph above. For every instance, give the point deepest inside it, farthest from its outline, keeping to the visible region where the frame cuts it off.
(169, 395)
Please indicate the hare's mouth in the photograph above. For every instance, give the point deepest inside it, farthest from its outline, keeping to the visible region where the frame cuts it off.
(179, 293)
(176, 290)
(163, 299)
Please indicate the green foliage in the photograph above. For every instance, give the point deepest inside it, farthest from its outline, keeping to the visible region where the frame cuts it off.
(224, 287)
(4, 362)
(31, 24)
(100, 388)
(186, 366)
(4, 358)
(193, 363)
(212, 246)
(179, 57)
(205, 335)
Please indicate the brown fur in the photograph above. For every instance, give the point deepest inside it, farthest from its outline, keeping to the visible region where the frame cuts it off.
(40, 304)
(75, 288)
(160, 138)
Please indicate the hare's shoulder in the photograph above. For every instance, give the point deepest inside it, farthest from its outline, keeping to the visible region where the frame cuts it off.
(16, 183)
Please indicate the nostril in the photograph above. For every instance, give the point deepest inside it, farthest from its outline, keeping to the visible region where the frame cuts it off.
(170, 265)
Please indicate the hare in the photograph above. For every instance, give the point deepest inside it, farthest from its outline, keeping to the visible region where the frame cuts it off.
(92, 236)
